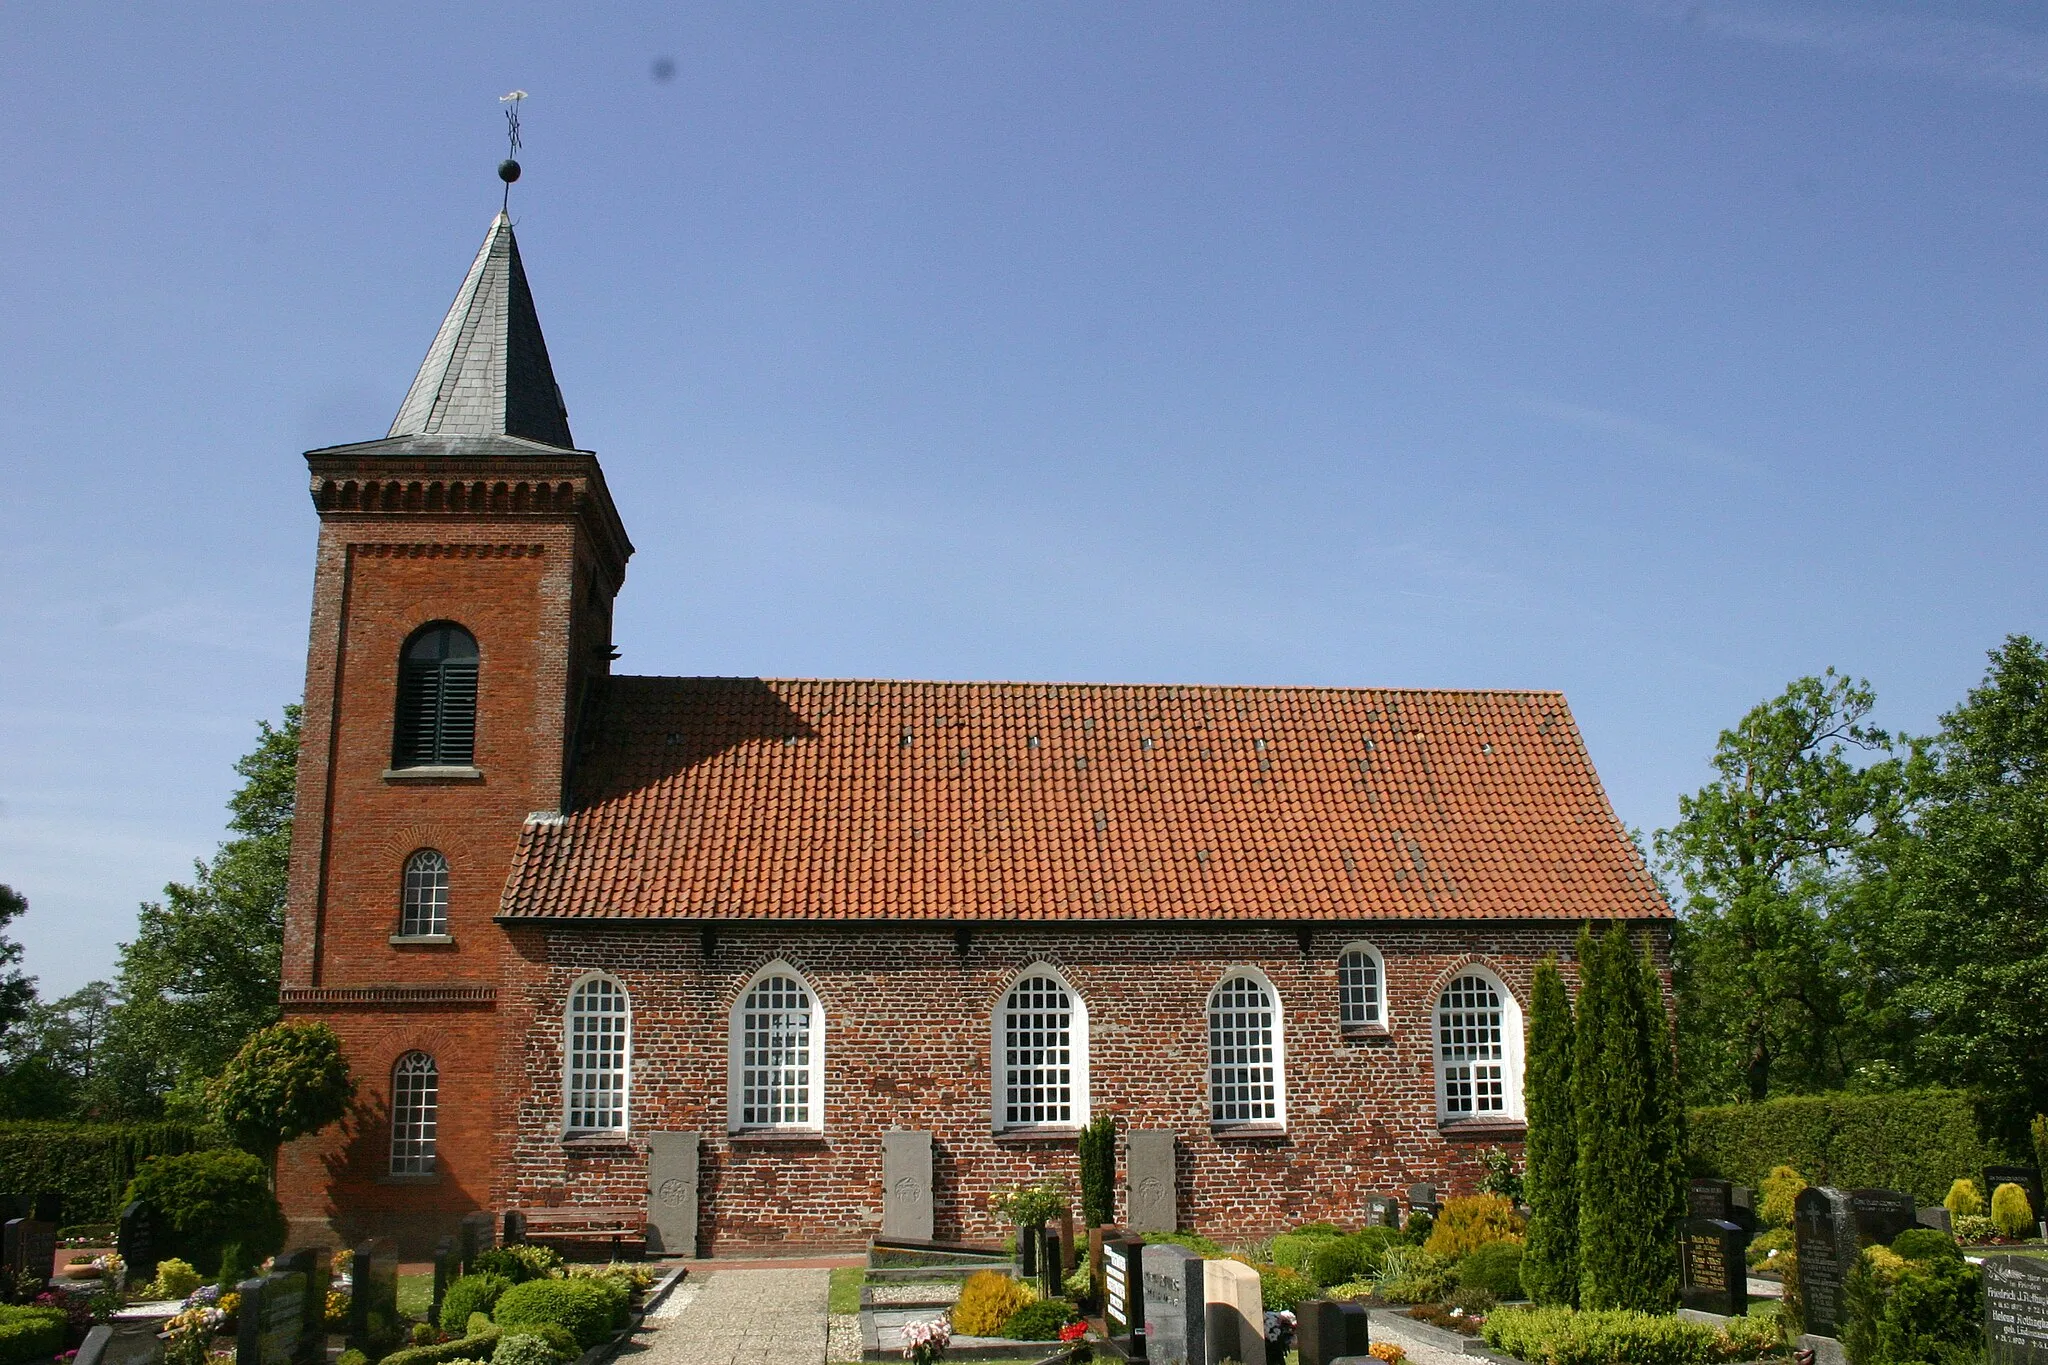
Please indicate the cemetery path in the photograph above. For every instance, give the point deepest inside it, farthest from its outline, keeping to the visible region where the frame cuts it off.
(1387, 1327)
(737, 1317)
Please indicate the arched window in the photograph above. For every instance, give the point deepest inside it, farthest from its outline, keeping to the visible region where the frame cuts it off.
(1247, 1070)
(425, 906)
(1479, 1050)
(599, 1027)
(1361, 992)
(776, 1071)
(436, 725)
(1041, 1054)
(415, 1105)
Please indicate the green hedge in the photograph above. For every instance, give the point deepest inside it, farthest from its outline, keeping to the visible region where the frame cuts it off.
(588, 1308)
(1912, 1140)
(30, 1333)
(477, 1347)
(90, 1164)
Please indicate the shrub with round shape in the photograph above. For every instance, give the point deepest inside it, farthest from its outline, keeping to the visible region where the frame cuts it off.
(205, 1200)
(1040, 1321)
(520, 1262)
(525, 1348)
(1471, 1222)
(175, 1279)
(986, 1302)
(1495, 1268)
(584, 1308)
(1282, 1289)
(1775, 1196)
(1962, 1199)
(2011, 1214)
(1293, 1249)
(470, 1294)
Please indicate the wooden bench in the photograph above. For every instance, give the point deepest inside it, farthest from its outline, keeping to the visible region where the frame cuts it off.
(585, 1223)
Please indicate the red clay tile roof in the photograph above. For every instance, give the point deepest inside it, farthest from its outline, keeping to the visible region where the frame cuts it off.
(743, 799)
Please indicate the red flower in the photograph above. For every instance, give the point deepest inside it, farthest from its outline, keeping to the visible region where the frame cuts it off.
(1073, 1331)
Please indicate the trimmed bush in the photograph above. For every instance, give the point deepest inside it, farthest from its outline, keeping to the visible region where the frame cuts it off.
(90, 1164)
(1911, 1302)
(176, 1279)
(1040, 1321)
(1193, 1241)
(1419, 1226)
(1466, 1224)
(1550, 1269)
(2011, 1214)
(986, 1302)
(476, 1347)
(30, 1333)
(525, 1348)
(1292, 1249)
(1356, 1257)
(1962, 1199)
(1283, 1289)
(1495, 1268)
(1776, 1195)
(1565, 1336)
(209, 1199)
(1912, 1140)
(1098, 1170)
(520, 1262)
(1410, 1274)
(585, 1308)
(470, 1294)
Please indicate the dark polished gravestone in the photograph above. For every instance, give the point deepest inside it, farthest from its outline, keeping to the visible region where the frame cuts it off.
(1176, 1305)
(316, 1267)
(136, 1241)
(1324, 1331)
(1824, 1234)
(446, 1261)
(477, 1232)
(1937, 1218)
(1742, 1209)
(373, 1298)
(1123, 1294)
(1882, 1214)
(1713, 1271)
(2026, 1177)
(1706, 1198)
(271, 1323)
(1422, 1199)
(1052, 1260)
(1382, 1211)
(29, 1246)
(2016, 1310)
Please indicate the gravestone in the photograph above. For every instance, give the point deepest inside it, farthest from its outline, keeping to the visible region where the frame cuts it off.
(1326, 1331)
(1713, 1270)
(1824, 1233)
(1176, 1306)
(1710, 1199)
(93, 1350)
(1028, 1242)
(1422, 1199)
(373, 1298)
(1051, 1262)
(1882, 1214)
(29, 1246)
(1123, 1293)
(1151, 1180)
(907, 1185)
(272, 1320)
(313, 1265)
(1742, 1209)
(2026, 1177)
(477, 1232)
(2016, 1310)
(1234, 1286)
(444, 1272)
(515, 1227)
(1937, 1218)
(672, 1177)
(1066, 1226)
(1220, 1324)
(48, 1208)
(136, 1241)
(1382, 1211)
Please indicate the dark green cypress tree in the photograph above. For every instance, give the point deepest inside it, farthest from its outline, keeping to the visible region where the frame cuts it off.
(1669, 1156)
(1626, 1252)
(1550, 1257)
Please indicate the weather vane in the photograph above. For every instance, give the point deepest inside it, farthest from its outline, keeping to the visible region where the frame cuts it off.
(508, 169)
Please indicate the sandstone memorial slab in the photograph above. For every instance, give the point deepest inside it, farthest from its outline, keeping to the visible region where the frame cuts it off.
(1234, 1286)
(907, 1185)
(672, 1193)
(1154, 1198)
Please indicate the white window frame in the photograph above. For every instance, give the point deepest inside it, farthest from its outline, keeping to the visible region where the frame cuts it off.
(1384, 1015)
(415, 1128)
(735, 1055)
(407, 926)
(1279, 1044)
(1077, 1055)
(570, 1070)
(1511, 1044)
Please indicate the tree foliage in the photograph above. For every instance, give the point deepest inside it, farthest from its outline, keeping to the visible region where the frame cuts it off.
(1550, 1263)
(288, 1081)
(1767, 854)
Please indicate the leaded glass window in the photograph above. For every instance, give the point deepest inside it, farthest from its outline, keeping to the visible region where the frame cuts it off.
(425, 907)
(1471, 1049)
(775, 1055)
(415, 1105)
(1038, 1054)
(1244, 1053)
(600, 1019)
(1358, 988)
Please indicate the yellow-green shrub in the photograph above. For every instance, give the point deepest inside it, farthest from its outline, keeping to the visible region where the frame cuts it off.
(1775, 1196)
(986, 1302)
(2011, 1214)
(1963, 1200)
(1470, 1222)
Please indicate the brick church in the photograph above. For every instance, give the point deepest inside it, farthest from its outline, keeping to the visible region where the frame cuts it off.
(556, 914)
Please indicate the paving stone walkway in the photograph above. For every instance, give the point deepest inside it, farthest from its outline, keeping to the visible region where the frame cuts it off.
(737, 1317)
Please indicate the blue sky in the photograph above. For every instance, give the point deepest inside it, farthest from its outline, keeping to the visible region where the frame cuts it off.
(1658, 353)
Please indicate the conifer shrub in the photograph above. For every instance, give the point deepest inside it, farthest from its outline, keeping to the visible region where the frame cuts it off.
(476, 1346)
(1914, 1301)
(1963, 1199)
(1098, 1171)
(474, 1293)
(1550, 1263)
(525, 1348)
(1345, 1259)
(1495, 1268)
(1566, 1336)
(1412, 1275)
(1776, 1195)
(2038, 1129)
(1040, 1320)
(2011, 1214)
(519, 1262)
(175, 1279)
(986, 1302)
(1469, 1222)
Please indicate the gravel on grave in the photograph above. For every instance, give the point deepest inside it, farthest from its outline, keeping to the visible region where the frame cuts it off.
(842, 1338)
(931, 1291)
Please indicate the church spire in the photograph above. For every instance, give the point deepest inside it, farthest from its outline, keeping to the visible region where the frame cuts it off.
(487, 373)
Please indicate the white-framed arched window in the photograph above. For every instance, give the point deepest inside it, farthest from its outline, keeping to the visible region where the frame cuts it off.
(775, 1073)
(1247, 1050)
(1478, 1049)
(1361, 987)
(598, 1033)
(415, 1111)
(1040, 1052)
(423, 908)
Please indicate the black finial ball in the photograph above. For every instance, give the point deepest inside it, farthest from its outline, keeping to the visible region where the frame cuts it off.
(508, 170)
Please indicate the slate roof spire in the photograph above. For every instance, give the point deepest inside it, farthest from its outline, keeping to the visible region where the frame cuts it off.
(487, 373)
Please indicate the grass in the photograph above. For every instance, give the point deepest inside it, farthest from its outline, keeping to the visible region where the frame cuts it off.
(844, 1294)
(416, 1294)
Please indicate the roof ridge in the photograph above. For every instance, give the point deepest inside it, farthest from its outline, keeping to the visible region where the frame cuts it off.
(1099, 686)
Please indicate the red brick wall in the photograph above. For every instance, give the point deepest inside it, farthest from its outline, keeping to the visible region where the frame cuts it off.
(908, 1045)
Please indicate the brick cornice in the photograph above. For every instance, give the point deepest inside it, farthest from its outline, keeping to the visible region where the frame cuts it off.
(387, 996)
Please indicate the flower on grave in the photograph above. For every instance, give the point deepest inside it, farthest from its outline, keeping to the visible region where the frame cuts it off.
(203, 1296)
(1279, 1326)
(1073, 1331)
(925, 1342)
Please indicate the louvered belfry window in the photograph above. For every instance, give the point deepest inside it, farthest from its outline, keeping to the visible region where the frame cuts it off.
(436, 699)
